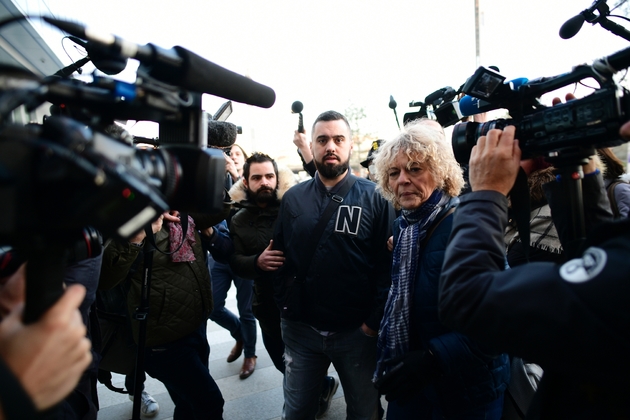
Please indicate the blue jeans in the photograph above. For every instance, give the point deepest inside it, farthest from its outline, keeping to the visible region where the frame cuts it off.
(243, 328)
(182, 366)
(308, 355)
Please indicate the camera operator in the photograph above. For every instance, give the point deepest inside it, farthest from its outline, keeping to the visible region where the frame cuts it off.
(572, 319)
(180, 301)
(45, 359)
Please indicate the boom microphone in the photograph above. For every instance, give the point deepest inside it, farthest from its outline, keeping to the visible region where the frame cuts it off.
(178, 66)
(221, 134)
(469, 105)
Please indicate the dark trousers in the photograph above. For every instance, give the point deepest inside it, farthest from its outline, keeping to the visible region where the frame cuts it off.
(182, 366)
(82, 403)
(266, 311)
(275, 347)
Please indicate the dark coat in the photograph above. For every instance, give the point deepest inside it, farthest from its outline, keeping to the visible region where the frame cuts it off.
(180, 298)
(251, 230)
(348, 277)
(572, 319)
(470, 376)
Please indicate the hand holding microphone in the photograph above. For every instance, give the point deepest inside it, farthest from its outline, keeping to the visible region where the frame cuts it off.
(296, 108)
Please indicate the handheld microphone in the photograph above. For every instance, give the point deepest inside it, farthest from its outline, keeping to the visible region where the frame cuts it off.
(469, 105)
(392, 102)
(190, 71)
(296, 108)
(393, 105)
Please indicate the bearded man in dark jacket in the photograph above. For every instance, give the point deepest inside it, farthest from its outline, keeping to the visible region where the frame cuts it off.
(257, 195)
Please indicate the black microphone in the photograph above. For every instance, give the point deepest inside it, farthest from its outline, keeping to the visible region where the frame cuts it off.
(296, 108)
(221, 134)
(392, 102)
(572, 26)
(178, 66)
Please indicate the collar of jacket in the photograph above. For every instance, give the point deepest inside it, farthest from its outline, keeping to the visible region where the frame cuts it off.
(286, 180)
(337, 186)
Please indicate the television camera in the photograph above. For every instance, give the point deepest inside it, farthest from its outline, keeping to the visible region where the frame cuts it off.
(68, 172)
(577, 126)
(438, 105)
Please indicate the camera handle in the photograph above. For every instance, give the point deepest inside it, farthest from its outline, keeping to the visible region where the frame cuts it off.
(44, 279)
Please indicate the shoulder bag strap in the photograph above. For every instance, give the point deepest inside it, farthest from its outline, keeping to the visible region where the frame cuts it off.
(316, 235)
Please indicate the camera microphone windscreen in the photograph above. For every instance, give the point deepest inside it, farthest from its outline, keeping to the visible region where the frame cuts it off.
(297, 107)
(571, 27)
(221, 134)
(470, 105)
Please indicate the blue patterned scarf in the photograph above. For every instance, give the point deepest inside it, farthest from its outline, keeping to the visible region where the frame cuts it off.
(393, 337)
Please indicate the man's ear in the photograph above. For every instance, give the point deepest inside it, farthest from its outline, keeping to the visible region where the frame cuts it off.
(245, 182)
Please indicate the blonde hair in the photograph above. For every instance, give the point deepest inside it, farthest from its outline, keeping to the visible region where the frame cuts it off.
(422, 141)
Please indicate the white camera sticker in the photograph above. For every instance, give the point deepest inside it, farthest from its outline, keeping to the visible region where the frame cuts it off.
(583, 269)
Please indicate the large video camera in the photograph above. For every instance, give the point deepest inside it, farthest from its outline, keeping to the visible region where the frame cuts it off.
(70, 172)
(582, 124)
(437, 105)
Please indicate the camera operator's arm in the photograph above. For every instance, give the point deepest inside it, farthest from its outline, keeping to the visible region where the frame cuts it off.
(542, 312)
(304, 150)
(49, 356)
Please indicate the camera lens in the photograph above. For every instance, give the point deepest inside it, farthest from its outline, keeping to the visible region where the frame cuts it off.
(465, 136)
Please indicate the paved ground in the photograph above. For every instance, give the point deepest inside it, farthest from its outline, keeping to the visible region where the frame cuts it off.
(258, 397)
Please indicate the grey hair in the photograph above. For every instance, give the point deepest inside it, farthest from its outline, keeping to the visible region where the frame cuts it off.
(422, 141)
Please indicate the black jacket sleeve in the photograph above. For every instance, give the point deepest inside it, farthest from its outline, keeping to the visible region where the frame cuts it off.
(552, 315)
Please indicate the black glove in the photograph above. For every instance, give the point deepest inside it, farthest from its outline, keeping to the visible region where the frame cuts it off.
(409, 374)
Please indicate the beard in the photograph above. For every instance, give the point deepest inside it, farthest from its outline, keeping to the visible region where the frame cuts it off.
(263, 195)
(332, 171)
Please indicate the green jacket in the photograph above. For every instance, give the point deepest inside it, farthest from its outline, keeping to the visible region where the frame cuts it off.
(180, 298)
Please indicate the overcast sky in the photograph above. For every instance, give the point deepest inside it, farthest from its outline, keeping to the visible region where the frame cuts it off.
(335, 54)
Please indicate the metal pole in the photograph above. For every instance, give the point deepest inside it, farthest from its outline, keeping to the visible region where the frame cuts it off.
(477, 45)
